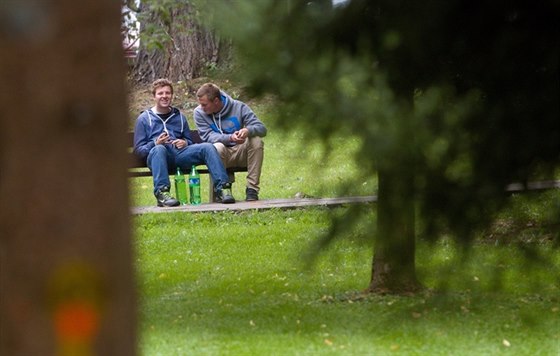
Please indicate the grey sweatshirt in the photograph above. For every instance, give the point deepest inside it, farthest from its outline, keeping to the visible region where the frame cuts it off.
(234, 115)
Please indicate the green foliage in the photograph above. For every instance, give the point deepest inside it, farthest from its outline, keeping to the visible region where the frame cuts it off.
(235, 283)
(162, 21)
(155, 18)
(462, 95)
(154, 37)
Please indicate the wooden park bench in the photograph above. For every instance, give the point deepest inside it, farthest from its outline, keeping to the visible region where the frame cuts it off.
(138, 168)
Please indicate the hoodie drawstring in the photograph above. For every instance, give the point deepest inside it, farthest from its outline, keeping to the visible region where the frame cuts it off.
(165, 121)
(219, 123)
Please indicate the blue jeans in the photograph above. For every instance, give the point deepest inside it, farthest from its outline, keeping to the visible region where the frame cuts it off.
(163, 160)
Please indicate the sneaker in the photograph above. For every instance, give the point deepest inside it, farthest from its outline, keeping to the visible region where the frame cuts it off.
(224, 195)
(251, 194)
(165, 199)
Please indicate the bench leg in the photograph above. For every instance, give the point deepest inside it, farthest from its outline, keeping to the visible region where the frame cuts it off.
(211, 189)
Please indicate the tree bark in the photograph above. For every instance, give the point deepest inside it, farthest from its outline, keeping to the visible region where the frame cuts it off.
(187, 50)
(393, 267)
(66, 273)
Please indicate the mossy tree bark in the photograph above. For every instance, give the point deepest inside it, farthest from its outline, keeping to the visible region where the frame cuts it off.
(175, 45)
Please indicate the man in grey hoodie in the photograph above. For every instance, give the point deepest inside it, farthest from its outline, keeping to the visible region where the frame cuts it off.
(235, 131)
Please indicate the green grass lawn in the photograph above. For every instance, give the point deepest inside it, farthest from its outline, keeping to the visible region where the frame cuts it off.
(236, 284)
(241, 284)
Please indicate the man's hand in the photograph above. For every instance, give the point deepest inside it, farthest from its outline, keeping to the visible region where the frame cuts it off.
(163, 138)
(240, 136)
(179, 143)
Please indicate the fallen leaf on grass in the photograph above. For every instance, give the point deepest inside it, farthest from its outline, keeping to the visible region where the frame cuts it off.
(506, 343)
(251, 322)
(327, 298)
(328, 342)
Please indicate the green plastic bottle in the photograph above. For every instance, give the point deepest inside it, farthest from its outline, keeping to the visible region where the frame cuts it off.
(180, 187)
(194, 186)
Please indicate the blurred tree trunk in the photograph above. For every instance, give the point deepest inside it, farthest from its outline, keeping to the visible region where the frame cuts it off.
(393, 267)
(66, 273)
(394, 264)
(174, 45)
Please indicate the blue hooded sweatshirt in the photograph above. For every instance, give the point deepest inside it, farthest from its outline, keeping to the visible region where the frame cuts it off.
(234, 115)
(150, 125)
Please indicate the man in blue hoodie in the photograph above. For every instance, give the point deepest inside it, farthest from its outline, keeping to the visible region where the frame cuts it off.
(235, 131)
(162, 139)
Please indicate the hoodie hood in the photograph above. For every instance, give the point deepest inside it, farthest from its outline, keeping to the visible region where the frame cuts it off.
(227, 104)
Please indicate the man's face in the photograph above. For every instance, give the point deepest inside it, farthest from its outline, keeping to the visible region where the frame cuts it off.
(210, 106)
(162, 97)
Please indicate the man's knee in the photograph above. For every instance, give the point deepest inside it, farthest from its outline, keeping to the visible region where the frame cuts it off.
(256, 142)
(221, 148)
(158, 151)
(157, 156)
(158, 148)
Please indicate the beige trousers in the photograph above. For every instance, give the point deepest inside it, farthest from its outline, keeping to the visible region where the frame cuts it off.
(249, 154)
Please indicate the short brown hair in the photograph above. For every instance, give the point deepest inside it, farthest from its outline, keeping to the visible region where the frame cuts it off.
(162, 82)
(211, 91)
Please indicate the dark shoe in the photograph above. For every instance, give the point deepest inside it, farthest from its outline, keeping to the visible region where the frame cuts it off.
(224, 195)
(165, 199)
(251, 194)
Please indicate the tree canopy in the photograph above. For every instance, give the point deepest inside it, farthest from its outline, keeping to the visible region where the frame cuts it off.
(451, 100)
(468, 89)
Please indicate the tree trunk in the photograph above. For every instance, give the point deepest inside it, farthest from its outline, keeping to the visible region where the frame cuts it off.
(393, 267)
(66, 273)
(182, 51)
